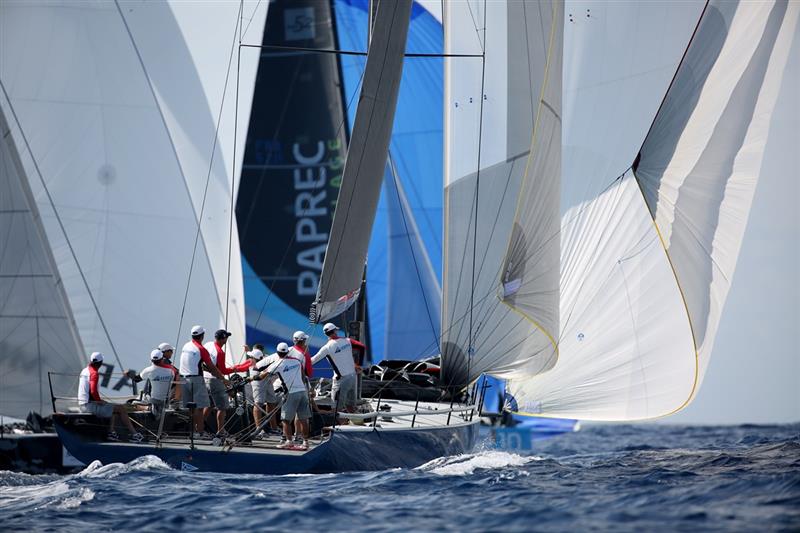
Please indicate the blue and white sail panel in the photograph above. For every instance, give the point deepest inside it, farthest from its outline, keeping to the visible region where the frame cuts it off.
(292, 171)
(404, 257)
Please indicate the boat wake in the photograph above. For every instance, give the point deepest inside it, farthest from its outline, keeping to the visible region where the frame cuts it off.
(28, 493)
(464, 465)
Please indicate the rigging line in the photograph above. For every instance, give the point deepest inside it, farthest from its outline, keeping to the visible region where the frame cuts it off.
(205, 190)
(60, 223)
(350, 52)
(252, 16)
(470, 348)
(322, 292)
(314, 190)
(233, 169)
(413, 255)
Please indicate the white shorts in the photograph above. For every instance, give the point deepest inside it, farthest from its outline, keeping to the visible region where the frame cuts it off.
(100, 410)
(193, 389)
(264, 392)
(296, 404)
(343, 391)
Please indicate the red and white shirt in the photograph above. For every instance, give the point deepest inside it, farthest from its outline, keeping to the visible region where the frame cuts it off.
(88, 386)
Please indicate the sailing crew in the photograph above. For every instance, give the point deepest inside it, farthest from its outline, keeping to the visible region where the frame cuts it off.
(295, 405)
(194, 356)
(168, 351)
(216, 387)
(339, 352)
(300, 351)
(89, 400)
(160, 378)
(264, 397)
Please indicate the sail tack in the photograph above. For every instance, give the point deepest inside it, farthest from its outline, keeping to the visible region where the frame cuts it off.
(343, 269)
(502, 178)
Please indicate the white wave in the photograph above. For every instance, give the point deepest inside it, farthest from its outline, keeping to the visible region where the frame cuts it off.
(74, 501)
(141, 464)
(464, 465)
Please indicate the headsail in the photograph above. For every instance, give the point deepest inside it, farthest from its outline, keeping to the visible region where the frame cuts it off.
(502, 171)
(343, 268)
(644, 276)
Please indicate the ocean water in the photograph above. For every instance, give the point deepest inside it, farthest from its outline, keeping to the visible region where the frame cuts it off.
(619, 478)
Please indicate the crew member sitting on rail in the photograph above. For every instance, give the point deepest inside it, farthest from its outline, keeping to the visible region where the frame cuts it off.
(339, 352)
(264, 396)
(216, 387)
(161, 378)
(295, 405)
(194, 356)
(89, 400)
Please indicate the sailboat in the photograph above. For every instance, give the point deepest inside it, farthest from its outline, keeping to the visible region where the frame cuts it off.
(585, 261)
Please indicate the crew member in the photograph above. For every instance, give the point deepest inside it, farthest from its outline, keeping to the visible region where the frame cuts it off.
(89, 400)
(161, 378)
(194, 356)
(216, 388)
(295, 406)
(166, 361)
(264, 396)
(300, 351)
(339, 352)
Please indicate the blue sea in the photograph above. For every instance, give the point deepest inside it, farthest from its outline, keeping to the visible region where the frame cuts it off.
(618, 478)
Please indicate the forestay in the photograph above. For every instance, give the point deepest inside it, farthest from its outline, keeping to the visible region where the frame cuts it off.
(500, 311)
(343, 269)
(648, 253)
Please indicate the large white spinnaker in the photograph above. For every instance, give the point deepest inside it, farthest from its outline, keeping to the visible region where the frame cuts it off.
(114, 139)
(500, 308)
(645, 272)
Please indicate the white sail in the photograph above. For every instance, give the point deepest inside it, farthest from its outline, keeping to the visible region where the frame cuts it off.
(114, 139)
(644, 273)
(343, 267)
(502, 168)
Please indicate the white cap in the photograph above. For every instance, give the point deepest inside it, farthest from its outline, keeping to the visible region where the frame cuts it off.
(198, 330)
(96, 357)
(327, 328)
(156, 355)
(299, 336)
(283, 348)
(256, 354)
(165, 347)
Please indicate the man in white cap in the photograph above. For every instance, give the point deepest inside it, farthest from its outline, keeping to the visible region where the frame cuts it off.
(300, 351)
(89, 400)
(264, 397)
(339, 352)
(160, 379)
(167, 351)
(194, 356)
(295, 405)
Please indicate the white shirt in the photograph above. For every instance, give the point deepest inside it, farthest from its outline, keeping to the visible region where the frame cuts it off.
(83, 387)
(211, 346)
(160, 379)
(190, 360)
(290, 371)
(340, 354)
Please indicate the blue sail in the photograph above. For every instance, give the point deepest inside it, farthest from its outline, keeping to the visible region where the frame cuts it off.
(405, 253)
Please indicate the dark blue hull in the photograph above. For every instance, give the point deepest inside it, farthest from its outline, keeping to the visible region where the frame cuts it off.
(350, 449)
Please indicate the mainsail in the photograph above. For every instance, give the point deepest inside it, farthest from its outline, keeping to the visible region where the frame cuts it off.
(502, 173)
(649, 241)
(112, 141)
(342, 272)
